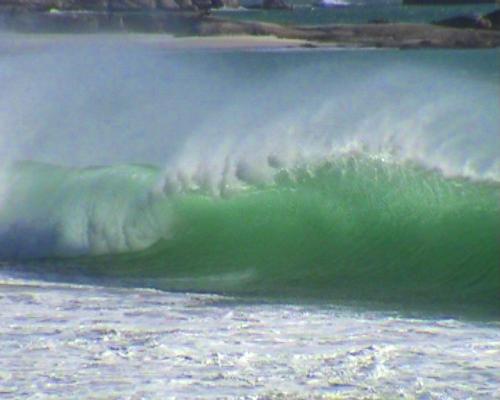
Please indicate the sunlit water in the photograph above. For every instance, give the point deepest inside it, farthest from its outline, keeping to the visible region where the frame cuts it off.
(355, 12)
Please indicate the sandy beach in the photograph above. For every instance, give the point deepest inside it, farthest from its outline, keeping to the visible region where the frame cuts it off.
(23, 42)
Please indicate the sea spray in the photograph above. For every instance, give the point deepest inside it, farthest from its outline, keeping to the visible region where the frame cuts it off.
(329, 176)
(108, 102)
(347, 228)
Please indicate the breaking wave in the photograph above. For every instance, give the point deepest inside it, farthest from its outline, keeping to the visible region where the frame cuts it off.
(370, 176)
(352, 227)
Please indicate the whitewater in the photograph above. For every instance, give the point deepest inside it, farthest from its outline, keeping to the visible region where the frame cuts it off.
(254, 224)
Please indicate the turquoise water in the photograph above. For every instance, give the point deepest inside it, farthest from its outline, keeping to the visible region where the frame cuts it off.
(306, 14)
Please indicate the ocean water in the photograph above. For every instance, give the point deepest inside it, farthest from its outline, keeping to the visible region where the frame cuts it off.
(248, 224)
(357, 12)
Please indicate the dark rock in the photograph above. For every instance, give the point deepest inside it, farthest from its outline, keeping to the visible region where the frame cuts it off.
(90, 5)
(131, 5)
(275, 5)
(82, 5)
(206, 5)
(466, 21)
(225, 3)
(112, 5)
(185, 4)
(27, 5)
(494, 18)
(167, 5)
(202, 4)
(446, 2)
(267, 5)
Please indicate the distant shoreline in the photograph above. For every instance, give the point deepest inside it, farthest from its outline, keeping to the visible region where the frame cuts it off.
(193, 25)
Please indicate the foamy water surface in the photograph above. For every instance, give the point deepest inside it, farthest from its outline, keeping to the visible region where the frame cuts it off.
(72, 341)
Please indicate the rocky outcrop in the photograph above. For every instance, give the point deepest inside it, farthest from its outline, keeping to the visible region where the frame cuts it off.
(447, 2)
(267, 5)
(170, 5)
(275, 5)
(494, 18)
(466, 21)
(388, 35)
(129, 5)
(26, 5)
(113, 5)
(488, 21)
(226, 3)
(406, 36)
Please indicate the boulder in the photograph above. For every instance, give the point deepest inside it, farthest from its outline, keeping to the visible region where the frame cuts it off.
(90, 5)
(87, 5)
(225, 3)
(132, 5)
(114, 5)
(494, 18)
(446, 2)
(168, 5)
(466, 21)
(203, 5)
(206, 5)
(275, 5)
(28, 5)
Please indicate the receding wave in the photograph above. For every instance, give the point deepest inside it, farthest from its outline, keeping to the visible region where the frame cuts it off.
(352, 227)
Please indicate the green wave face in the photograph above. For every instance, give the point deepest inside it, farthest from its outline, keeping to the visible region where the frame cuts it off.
(351, 229)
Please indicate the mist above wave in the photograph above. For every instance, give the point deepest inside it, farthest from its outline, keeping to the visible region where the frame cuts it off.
(96, 101)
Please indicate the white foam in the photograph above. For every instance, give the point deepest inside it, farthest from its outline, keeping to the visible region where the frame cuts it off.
(56, 339)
